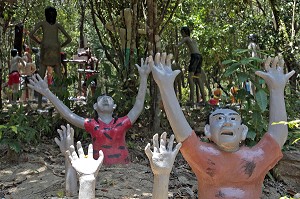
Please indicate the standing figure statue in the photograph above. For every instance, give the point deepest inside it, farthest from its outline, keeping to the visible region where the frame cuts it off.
(252, 46)
(50, 44)
(26, 73)
(196, 74)
(223, 168)
(108, 133)
(14, 74)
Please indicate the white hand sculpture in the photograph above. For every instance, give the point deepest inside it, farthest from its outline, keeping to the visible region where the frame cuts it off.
(161, 69)
(144, 69)
(38, 84)
(65, 142)
(66, 138)
(162, 158)
(87, 168)
(274, 76)
(85, 164)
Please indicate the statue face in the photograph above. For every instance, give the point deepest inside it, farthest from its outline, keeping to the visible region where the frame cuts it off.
(225, 129)
(105, 104)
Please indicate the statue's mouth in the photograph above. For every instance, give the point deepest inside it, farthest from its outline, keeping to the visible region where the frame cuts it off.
(229, 133)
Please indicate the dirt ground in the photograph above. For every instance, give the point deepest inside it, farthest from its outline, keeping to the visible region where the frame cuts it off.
(39, 173)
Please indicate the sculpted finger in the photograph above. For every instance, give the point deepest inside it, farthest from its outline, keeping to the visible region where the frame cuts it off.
(267, 63)
(163, 58)
(101, 157)
(163, 141)
(151, 62)
(72, 133)
(275, 62)
(60, 134)
(157, 59)
(90, 151)
(155, 144)
(169, 60)
(177, 148)
(176, 72)
(73, 153)
(290, 74)
(170, 144)
(261, 74)
(64, 130)
(281, 62)
(80, 150)
(57, 141)
(148, 151)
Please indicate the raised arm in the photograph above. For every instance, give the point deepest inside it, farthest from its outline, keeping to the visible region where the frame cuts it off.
(276, 81)
(137, 109)
(39, 85)
(66, 135)
(164, 77)
(161, 161)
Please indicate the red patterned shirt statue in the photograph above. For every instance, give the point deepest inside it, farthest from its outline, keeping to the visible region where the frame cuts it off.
(107, 132)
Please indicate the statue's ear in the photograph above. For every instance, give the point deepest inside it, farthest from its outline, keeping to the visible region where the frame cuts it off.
(115, 106)
(207, 131)
(244, 132)
(95, 106)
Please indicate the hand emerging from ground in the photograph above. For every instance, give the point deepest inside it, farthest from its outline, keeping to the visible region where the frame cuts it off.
(85, 164)
(66, 138)
(161, 69)
(38, 84)
(274, 76)
(163, 156)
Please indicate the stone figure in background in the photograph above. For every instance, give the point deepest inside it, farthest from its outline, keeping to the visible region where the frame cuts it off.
(49, 43)
(91, 67)
(108, 133)
(253, 46)
(161, 161)
(223, 168)
(26, 73)
(194, 76)
(14, 74)
(87, 169)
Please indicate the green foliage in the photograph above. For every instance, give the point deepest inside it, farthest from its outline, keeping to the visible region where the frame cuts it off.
(253, 106)
(19, 129)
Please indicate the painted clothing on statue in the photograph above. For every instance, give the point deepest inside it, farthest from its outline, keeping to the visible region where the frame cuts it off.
(230, 175)
(13, 78)
(110, 138)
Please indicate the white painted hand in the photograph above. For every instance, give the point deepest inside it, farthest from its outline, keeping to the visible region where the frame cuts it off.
(274, 76)
(85, 165)
(66, 138)
(162, 158)
(38, 84)
(161, 69)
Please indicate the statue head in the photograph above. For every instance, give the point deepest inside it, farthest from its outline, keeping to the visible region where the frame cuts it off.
(252, 38)
(14, 52)
(185, 31)
(225, 129)
(105, 104)
(50, 14)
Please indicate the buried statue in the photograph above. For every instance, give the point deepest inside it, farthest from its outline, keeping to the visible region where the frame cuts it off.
(107, 132)
(223, 168)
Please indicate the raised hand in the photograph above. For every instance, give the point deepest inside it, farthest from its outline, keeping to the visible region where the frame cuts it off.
(161, 69)
(144, 69)
(85, 164)
(163, 156)
(274, 76)
(66, 138)
(38, 84)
